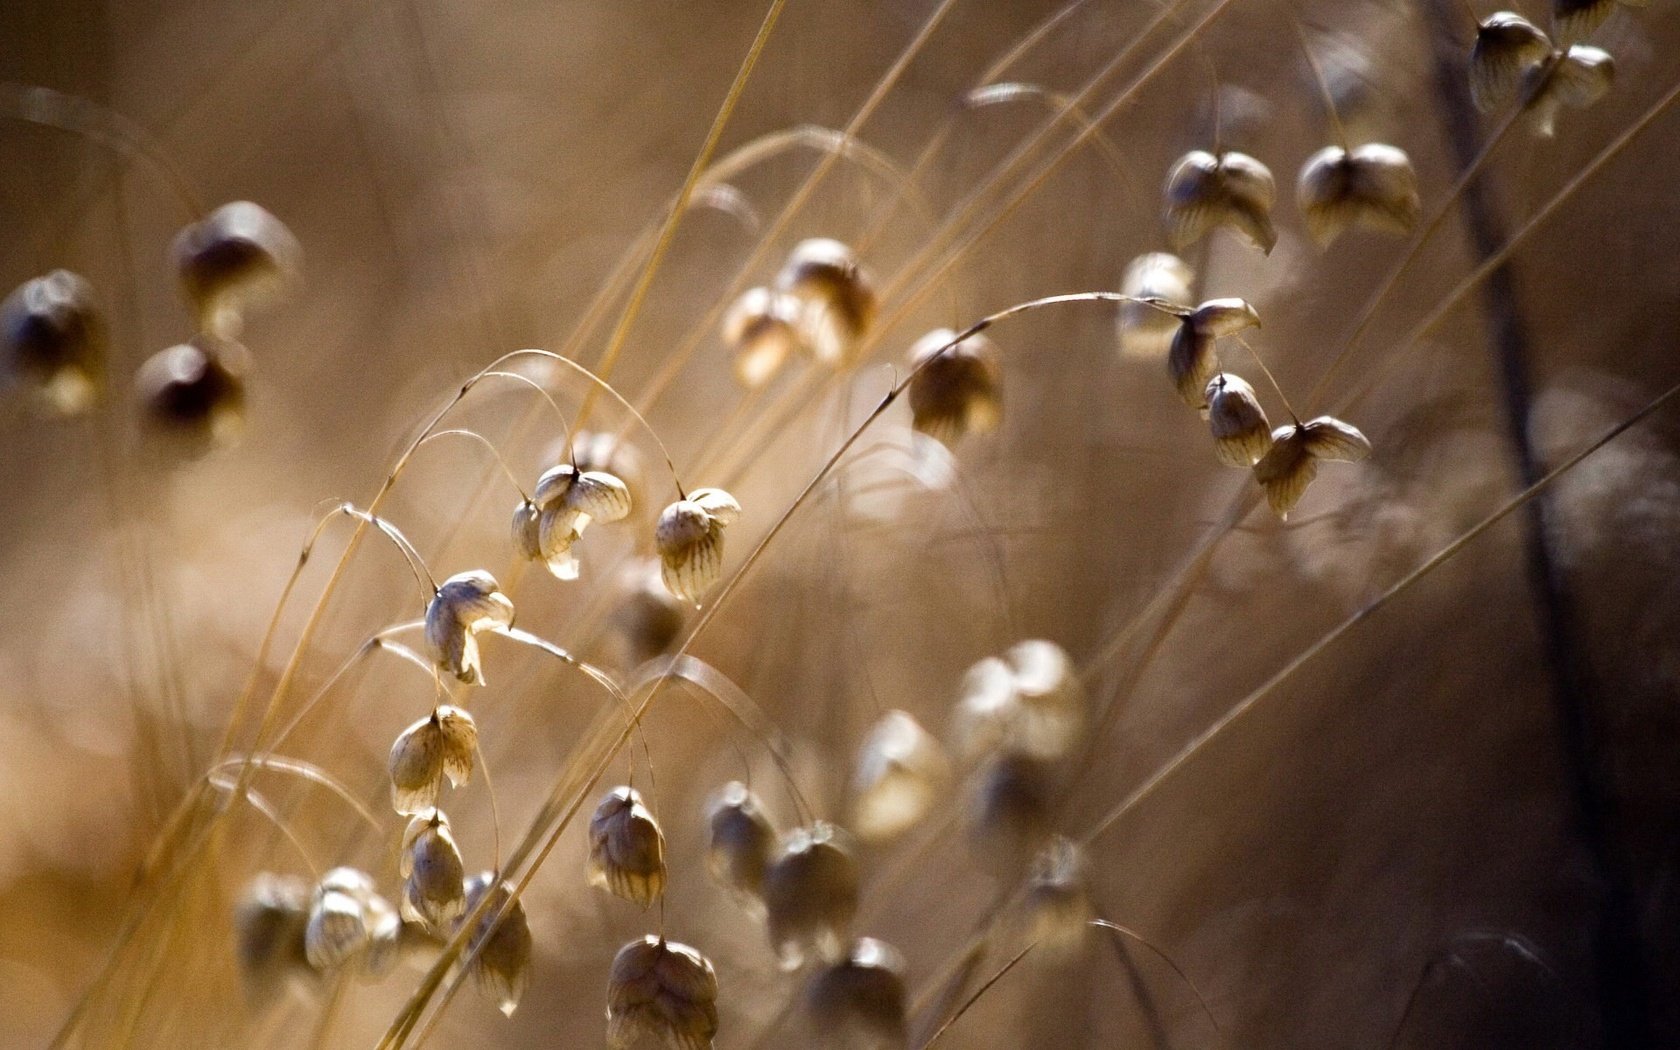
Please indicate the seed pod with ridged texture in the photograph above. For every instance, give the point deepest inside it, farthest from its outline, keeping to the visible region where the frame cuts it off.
(901, 772)
(1577, 80)
(567, 500)
(1191, 361)
(1576, 19)
(1146, 332)
(1241, 434)
(859, 1002)
(465, 604)
(959, 391)
(270, 923)
(193, 395)
(811, 895)
(762, 328)
(502, 965)
(741, 841)
(1286, 471)
(1507, 47)
(836, 295)
(626, 848)
(1373, 186)
(689, 536)
(434, 877)
(54, 342)
(664, 989)
(237, 257)
(438, 746)
(1233, 189)
(1058, 901)
(348, 921)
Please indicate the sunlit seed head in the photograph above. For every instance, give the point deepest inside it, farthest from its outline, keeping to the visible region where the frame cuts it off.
(1241, 433)
(1285, 472)
(465, 604)
(525, 530)
(441, 745)
(53, 342)
(1146, 332)
(836, 295)
(1578, 80)
(811, 895)
(434, 877)
(1058, 901)
(270, 921)
(1576, 20)
(193, 395)
(502, 960)
(740, 841)
(1191, 359)
(1008, 816)
(348, 919)
(567, 501)
(1204, 191)
(1507, 47)
(385, 932)
(762, 329)
(859, 1003)
(959, 391)
(626, 848)
(689, 537)
(1373, 186)
(1029, 701)
(663, 989)
(901, 773)
(235, 258)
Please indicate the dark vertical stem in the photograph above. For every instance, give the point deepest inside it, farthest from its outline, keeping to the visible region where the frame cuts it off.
(1622, 979)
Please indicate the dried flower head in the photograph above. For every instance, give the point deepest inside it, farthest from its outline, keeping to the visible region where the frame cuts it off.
(741, 840)
(836, 295)
(646, 618)
(54, 342)
(442, 745)
(1508, 46)
(626, 848)
(236, 257)
(349, 921)
(1286, 471)
(1146, 332)
(1373, 186)
(1191, 360)
(1058, 903)
(664, 989)
(502, 949)
(1233, 189)
(434, 877)
(270, 922)
(567, 500)
(1009, 810)
(1577, 80)
(959, 391)
(901, 772)
(859, 1002)
(762, 328)
(689, 535)
(811, 895)
(465, 604)
(1241, 434)
(1576, 19)
(1028, 701)
(193, 395)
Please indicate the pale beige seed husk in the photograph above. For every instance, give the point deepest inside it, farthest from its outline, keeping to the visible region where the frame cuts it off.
(525, 530)
(1285, 472)
(960, 391)
(434, 876)
(345, 917)
(811, 895)
(558, 529)
(441, 745)
(690, 544)
(722, 507)
(1327, 437)
(384, 937)
(741, 841)
(661, 988)
(1146, 332)
(465, 604)
(761, 327)
(837, 297)
(859, 1003)
(1373, 187)
(901, 773)
(1507, 47)
(1233, 189)
(626, 848)
(237, 257)
(1580, 79)
(502, 965)
(1576, 20)
(1050, 697)
(270, 924)
(1241, 433)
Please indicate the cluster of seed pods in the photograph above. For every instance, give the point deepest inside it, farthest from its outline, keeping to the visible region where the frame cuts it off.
(821, 304)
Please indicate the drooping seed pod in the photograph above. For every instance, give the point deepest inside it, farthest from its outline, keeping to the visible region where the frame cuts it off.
(762, 328)
(626, 848)
(465, 604)
(193, 395)
(1058, 902)
(811, 895)
(1576, 19)
(1146, 332)
(689, 536)
(1577, 80)
(350, 921)
(663, 989)
(1191, 360)
(859, 1002)
(1233, 189)
(1028, 701)
(442, 745)
(836, 295)
(502, 963)
(270, 922)
(1372, 186)
(526, 530)
(901, 772)
(1507, 47)
(1286, 471)
(1241, 434)
(959, 391)
(741, 841)
(567, 500)
(237, 257)
(1009, 811)
(54, 342)
(646, 618)
(434, 877)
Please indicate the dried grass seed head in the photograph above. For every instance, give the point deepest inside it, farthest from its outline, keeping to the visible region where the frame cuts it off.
(959, 391)
(626, 848)
(1146, 332)
(1508, 46)
(193, 395)
(1577, 19)
(860, 1002)
(647, 618)
(837, 298)
(502, 961)
(434, 879)
(349, 922)
(901, 773)
(270, 924)
(811, 895)
(664, 989)
(741, 840)
(1285, 472)
(54, 342)
(237, 257)
(465, 604)
(1008, 814)
(1577, 80)
(1372, 186)
(761, 327)
(689, 537)
(1058, 902)
(1204, 191)
(441, 745)
(1028, 701)
(1192, 359)
(567, 500)
(1241, 434)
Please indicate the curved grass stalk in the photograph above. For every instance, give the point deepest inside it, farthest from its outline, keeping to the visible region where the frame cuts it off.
(978, 992)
